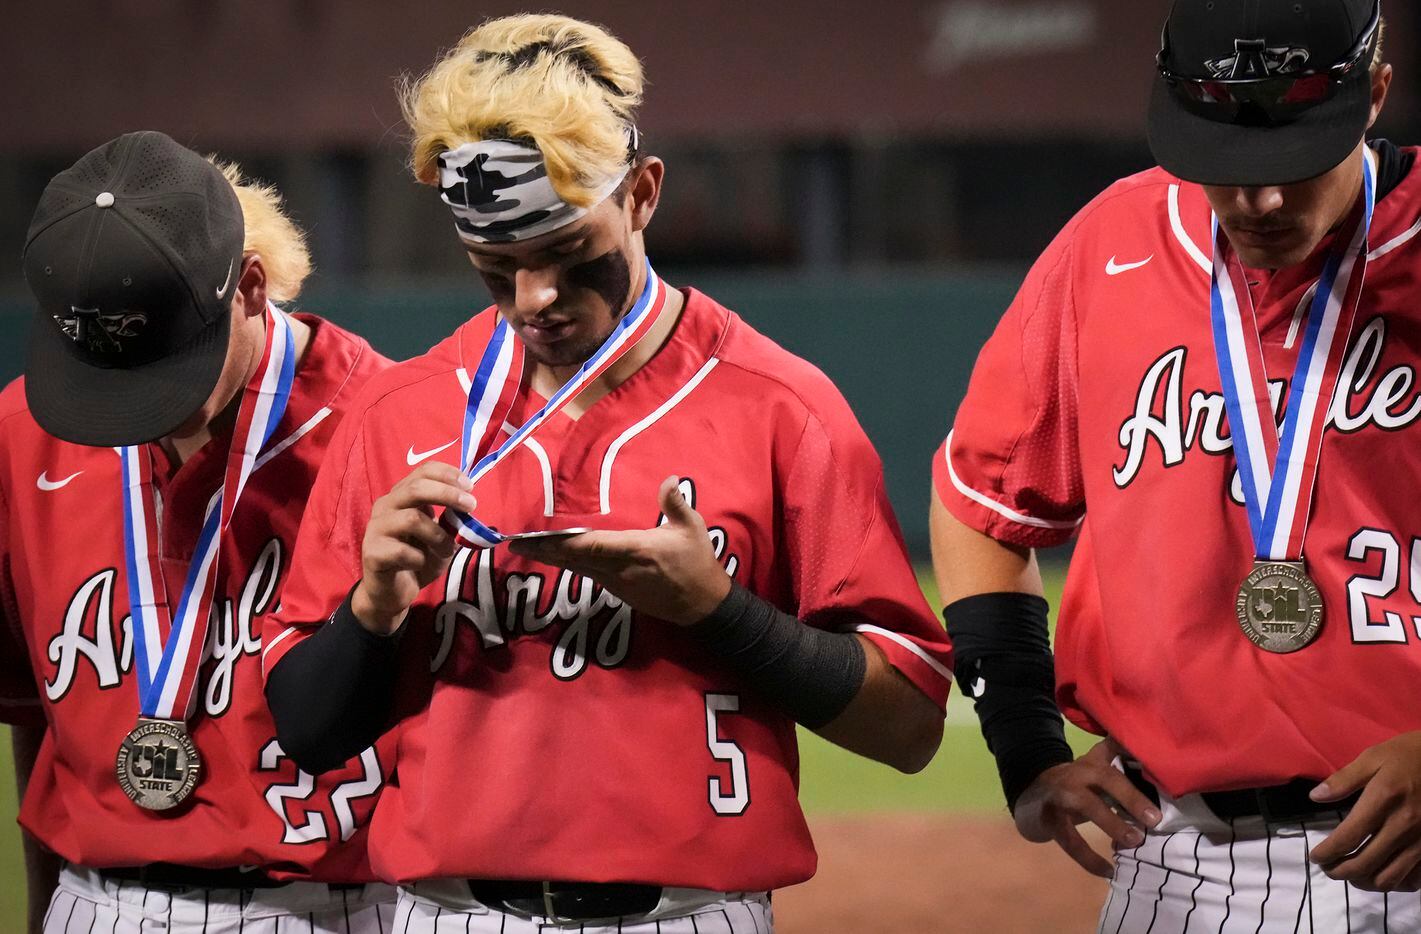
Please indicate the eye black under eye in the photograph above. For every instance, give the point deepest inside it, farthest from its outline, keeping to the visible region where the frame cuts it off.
(496, 282)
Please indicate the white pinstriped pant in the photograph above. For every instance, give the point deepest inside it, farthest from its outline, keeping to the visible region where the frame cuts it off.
(443, 906)
(86, 903)
(1199, 874)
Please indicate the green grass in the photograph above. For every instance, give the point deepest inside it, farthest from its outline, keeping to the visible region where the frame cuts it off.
(962, 778)
(12, 863)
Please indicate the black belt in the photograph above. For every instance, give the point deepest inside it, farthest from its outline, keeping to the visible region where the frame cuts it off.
(1276, 804)
(172, 876)
(566, 901)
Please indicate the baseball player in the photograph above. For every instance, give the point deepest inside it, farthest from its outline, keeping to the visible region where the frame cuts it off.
(1204, 376)
(153, 468)
(595, 729)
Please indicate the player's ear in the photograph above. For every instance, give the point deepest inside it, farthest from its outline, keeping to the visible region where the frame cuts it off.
(250, 298)
(645, 191)
(1381, 84)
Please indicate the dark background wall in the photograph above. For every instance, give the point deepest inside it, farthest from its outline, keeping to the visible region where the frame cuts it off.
(278, 73)
(865, 182)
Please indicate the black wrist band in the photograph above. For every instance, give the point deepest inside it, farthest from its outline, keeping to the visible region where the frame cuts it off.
(810, 674)
(1002, 647)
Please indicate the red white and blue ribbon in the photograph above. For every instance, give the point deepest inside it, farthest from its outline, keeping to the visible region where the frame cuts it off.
(495, 386)
(1279, 467)
(169, 643)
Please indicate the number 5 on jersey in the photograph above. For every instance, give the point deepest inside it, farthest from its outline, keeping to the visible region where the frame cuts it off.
(726, 799)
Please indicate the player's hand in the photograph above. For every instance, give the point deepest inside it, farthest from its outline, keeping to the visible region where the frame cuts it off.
(669, 572)
(1090, 790)
(1377, 847)
(405, 549)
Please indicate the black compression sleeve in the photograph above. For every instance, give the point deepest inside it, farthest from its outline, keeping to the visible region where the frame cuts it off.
(1002, 648)
(810, 674)
(331, 695)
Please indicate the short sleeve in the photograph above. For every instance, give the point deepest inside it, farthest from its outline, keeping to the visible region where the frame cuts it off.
(1010, 468)
(20, 703)
(849, 565)
(326, 561)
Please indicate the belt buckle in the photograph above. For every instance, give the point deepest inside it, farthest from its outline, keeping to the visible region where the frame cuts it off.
(549, 911)
(584, 909)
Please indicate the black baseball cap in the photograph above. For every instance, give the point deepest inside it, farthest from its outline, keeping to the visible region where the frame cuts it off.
(133, 255)
(1262, 92)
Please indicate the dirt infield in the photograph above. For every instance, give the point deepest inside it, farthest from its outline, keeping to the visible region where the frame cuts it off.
(931, 873)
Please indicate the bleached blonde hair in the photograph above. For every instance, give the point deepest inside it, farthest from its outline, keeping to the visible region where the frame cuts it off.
(569, 87)
(271, 234)
(1378, 57)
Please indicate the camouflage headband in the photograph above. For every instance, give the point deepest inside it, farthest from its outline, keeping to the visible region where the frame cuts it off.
(499, 191)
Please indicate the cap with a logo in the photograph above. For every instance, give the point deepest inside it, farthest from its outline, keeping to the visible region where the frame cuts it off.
(133, 255)
(1262, 92)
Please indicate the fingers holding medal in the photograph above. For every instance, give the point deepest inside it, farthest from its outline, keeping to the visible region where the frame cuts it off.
(405, 547)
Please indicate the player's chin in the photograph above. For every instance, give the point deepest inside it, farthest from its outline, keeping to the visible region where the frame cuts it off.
(573, 350)
(1275, 251)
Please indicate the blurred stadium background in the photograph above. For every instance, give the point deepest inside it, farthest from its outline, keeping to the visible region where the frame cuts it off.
(866, 182)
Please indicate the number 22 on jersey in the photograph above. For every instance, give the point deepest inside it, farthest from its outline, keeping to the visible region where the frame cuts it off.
(298, 807)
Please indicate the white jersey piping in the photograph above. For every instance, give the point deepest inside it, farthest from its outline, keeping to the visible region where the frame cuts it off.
(997, 507)
(937, 666)
(292, 438)
(643, 425)
(1396, 242)
(268, 646)
(1182, 236)
(541, 453)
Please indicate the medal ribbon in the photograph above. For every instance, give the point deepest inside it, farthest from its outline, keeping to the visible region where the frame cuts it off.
(1279, 469)
(495, 386)
(169, 645)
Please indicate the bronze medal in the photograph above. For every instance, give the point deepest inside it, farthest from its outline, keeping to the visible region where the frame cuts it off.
(158, 765)
(1279, 607)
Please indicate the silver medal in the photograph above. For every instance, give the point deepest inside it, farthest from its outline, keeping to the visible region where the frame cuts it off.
(1279, 607)
(158, 765)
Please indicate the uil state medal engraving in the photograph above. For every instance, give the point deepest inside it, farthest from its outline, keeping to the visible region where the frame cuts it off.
(1279, 607)
(158, 765)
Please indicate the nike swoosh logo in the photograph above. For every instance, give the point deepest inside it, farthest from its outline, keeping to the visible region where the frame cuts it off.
(413, 457)
(1113, 268)
(223, 291)
(49, 486)
(980, 687)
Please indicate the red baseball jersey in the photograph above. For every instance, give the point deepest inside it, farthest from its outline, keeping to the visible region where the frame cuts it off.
(68, 650)
(544, 729)
(1097, 405)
